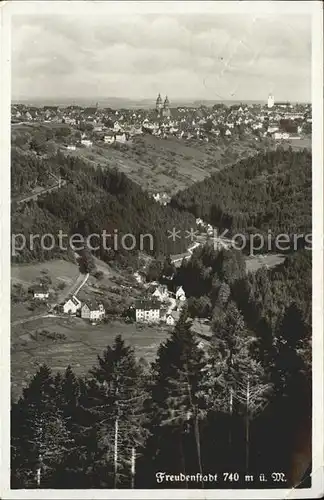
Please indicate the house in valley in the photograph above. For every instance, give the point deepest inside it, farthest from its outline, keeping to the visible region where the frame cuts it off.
(41, 292)
(180, 294)
(161, 293)
(72, 305)
(169, 320)
(93, 311)
(86, 142)
(147, 311)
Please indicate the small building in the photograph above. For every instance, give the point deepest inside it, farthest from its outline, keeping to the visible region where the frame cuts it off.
(272, 129)
(71, 147)
(121, 137)
(117, 127)
(281, 135)
(147, 311)
(180, 294)
(41, 292)
(72, 305)
(86, 142)
(161, 293)
(109, 138)
(92, 311)
(169, 320)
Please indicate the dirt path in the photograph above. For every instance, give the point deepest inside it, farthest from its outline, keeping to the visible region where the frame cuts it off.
(74, 288)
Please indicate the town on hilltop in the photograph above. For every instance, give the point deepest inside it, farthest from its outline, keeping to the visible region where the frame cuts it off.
(279, 120)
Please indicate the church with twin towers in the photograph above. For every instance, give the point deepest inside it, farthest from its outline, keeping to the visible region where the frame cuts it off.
(162, 108)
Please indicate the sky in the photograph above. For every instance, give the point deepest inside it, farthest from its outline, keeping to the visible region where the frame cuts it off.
(187, 56)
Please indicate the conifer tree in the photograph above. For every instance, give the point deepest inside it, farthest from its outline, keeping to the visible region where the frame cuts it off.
(178, 400)
(238, 382)
(40, 438)
(115, 395)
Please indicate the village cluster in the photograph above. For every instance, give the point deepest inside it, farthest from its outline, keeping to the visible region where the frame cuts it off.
(159, 305)
(96, 125)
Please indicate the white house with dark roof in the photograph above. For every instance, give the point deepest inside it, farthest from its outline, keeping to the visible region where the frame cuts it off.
(93, 311)
(180, 294)
(72, 305)
(169, 320)
(41, 292)
(147, 311)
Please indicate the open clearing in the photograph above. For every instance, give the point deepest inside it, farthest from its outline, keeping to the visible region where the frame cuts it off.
(80, 348)
(60, 271)
(166, 164)
(267, 260)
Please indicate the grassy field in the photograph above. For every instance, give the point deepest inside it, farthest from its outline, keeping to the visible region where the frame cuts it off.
(58, 270)
(80, 348)
(166, 164)
(268, 260)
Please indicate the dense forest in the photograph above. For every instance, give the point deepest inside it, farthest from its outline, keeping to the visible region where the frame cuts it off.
(91, 201)
(212, 276)
(239, 402)
(270, 191)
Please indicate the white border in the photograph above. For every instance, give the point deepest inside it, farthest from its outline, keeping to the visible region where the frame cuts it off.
(7, 9)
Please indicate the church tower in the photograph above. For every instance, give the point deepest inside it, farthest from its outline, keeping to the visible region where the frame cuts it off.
(166, 108)
(271, 101)
(158, 105)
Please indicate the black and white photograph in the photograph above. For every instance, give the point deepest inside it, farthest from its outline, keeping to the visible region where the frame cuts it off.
(162, 174)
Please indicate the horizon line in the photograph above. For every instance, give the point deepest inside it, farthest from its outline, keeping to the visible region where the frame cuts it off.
(139, 100)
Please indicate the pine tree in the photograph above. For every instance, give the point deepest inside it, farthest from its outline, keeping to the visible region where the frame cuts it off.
(238, 382)
(40, 438)
(178, 400)
(290, 344)
(115, 392)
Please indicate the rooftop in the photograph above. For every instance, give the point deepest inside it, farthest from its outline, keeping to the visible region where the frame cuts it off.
(147, 304)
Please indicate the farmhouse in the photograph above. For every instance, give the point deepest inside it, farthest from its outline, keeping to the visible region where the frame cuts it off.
(41, 292)
(92, 311)
(72, 305)
(147, 311)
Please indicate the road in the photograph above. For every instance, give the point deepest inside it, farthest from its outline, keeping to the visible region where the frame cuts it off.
(218, 242)
(185, 255)
(73, 289)
(253, 263)
(59, 183)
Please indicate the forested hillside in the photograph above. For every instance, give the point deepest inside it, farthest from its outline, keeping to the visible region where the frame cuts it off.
(213, 277)
(93, 200)
(271, 190)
